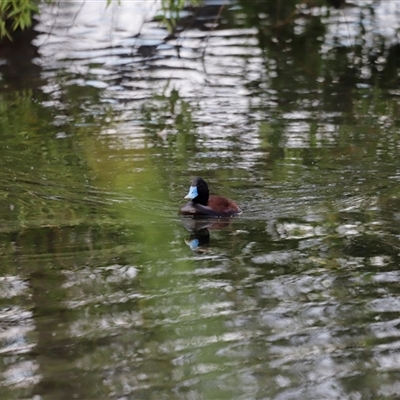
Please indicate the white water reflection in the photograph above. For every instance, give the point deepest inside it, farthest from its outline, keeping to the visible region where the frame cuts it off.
(109, 48)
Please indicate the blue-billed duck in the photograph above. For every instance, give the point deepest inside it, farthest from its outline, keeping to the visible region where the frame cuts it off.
(202, 203)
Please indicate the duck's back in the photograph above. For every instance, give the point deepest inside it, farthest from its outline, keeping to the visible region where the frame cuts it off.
(223, 206)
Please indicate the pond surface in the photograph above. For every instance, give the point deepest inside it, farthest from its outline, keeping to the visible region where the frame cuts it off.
(105, 292)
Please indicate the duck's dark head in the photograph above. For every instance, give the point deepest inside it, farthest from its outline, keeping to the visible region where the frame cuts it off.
(198, 191)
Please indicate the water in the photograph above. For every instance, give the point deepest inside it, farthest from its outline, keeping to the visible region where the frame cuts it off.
(105, 292)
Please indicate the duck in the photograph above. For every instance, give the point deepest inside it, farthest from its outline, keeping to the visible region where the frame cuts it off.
(203, 204)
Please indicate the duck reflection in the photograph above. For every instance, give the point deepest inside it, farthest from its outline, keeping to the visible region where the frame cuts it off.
(199, 229)
(199, 240)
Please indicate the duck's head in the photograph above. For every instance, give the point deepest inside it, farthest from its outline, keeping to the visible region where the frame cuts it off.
(198, 191)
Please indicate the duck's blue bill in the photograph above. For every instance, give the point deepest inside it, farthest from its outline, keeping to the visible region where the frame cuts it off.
(192, 193)
(194, 244)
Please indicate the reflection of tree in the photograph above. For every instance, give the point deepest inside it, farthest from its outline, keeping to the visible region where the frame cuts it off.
(316, 59)
(167, 118)
(48, 166)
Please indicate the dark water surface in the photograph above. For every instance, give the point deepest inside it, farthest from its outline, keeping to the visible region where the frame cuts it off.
(106, 293)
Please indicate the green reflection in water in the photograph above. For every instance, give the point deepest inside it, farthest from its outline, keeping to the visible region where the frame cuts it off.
(44, 176)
